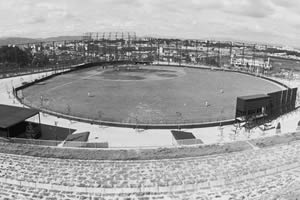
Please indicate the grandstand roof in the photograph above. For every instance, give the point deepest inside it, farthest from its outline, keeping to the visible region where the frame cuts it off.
(12, 115)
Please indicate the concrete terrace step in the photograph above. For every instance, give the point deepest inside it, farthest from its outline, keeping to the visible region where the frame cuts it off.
(264, 186)
(170, 175)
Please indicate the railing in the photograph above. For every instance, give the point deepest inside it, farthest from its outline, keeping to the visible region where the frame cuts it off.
(83, 145)
(169, 122)
(75, 144)
(35, 142)
(26, 71)
(189, 142)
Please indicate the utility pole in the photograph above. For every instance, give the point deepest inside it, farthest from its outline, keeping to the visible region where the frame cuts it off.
(253, 57)
(196, 56)
(207, 51)
(158, 49)
(243, 53)
(219, 55)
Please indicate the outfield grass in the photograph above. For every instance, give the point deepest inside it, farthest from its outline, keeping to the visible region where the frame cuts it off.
(152, 94)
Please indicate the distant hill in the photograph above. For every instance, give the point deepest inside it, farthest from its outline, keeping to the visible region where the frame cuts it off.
(20, 40)
(62, 38)
(16, 40)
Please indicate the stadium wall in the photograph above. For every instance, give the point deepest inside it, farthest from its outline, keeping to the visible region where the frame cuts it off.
(282, 102)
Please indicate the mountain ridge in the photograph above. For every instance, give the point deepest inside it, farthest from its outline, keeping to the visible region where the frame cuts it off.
(24, 40)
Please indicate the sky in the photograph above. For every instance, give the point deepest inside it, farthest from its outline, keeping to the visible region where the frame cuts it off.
(264, 21)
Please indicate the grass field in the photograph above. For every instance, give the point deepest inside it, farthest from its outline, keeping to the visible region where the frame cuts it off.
(151, 94)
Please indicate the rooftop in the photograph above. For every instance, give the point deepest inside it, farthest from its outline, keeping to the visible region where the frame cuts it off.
(256, 96)
(12, 115)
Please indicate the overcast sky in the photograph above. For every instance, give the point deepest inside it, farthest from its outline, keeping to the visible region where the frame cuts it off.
(270, 21)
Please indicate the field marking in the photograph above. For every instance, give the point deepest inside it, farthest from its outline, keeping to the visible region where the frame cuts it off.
(254, 147)
(53, 88)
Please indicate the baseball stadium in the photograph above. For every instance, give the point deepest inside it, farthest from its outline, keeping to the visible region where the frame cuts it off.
(117, 116)
(147, 94)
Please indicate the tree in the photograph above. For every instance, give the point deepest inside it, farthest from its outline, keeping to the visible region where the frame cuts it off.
(212, 61)
(40, 60)
(13, 54)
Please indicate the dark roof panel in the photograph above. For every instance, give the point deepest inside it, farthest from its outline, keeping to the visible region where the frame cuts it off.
(78, 137)
(182, 135)
(12, 115)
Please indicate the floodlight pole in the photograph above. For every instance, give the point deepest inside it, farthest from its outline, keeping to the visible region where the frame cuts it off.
(243, 53)
(139, 49)
(168, 47)
(219, 54)
(186, 51)
(158, 49)
(253, 56)
(151, 50)
(177, 50)
(196, 56)
(207, 51)
(230, 51)
(180, 54)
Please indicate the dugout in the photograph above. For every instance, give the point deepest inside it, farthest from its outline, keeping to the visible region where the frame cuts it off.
(12, 120)
(252, 107)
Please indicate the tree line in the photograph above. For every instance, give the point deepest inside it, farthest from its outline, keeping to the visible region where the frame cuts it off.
(13, 55)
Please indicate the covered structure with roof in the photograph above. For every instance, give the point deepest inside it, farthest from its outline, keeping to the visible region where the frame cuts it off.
(252, 107)
(12, 120)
